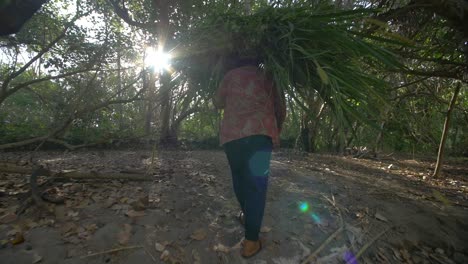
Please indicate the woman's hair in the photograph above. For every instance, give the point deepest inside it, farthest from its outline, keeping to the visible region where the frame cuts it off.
(235, 61)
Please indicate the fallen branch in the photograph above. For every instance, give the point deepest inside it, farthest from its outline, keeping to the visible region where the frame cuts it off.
(367, 245)
(33, 184)
(312, 257)
(33, 195)
(110, 251)
(75, 147)
(23, 142)
(151, 255)
(314, 254)
(11, 168)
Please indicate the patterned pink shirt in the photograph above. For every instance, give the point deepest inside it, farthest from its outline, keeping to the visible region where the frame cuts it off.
(247, 97)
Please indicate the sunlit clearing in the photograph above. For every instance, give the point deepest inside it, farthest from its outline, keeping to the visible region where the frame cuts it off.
(157, 59)
(303, 206)
(316, 218)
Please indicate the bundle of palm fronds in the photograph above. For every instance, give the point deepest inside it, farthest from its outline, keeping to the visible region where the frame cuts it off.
(304, 49)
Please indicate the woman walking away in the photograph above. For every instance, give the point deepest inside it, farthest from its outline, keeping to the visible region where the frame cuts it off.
(254, 111)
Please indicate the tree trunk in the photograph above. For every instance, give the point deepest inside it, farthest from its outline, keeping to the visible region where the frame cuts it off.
(119, 84)
(314, 127)
(378, 140)
(150, 100)
(440, 154)
(309, 126)
(305, 132)
(248, 7)
(174, 131)
(165, 77)
(166, 106)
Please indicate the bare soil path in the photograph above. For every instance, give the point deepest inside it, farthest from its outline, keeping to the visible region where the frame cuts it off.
(191, 218)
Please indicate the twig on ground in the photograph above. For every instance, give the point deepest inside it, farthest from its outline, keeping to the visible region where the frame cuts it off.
(110, 251)
(151, 255)
(24, 205)
(314, 254)
(368, 244)
(13, 168)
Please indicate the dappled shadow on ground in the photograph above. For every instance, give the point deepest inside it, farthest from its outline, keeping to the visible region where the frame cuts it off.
(191, 216)
(407, 177)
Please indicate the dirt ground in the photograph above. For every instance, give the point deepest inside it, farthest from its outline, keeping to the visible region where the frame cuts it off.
(329, 209)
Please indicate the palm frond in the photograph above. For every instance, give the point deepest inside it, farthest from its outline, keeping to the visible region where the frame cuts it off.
(302, 48)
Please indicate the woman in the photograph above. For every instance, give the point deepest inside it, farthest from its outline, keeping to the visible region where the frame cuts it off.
(254, 112)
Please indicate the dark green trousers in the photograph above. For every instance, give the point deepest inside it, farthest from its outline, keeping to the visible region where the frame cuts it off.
(249, 159)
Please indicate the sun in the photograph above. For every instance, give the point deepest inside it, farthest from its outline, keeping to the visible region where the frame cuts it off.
(157, 59)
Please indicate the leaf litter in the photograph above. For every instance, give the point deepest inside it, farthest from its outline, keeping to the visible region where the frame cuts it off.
(191, 191)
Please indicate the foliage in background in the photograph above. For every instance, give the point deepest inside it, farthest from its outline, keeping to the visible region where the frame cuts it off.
(302, 48)
(321, 54)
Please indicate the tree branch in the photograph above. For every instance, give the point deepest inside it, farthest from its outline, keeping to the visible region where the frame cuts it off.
(4, 91)
(22, 143)
(454, 73)
(184, 115)
(122, 12)
(410, 83)
(48, 78)
(53, 134)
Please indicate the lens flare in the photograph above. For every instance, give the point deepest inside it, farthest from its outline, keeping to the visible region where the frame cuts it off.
(157, 59)
(349, 257)
(316, 218)
(303, 206)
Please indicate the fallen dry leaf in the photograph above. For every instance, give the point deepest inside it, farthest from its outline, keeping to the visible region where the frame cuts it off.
(91, 227)
(405, 254)
(133, 213)
(36, 258)
(60, 212)
(72, 214)
(154, 200)
(8, 218)
(138, 205)
(109, 202)
(380, 217)
(124, 236)
(68, 227)
(199, 234)
(96, 198)
(19, 238)
(265, 229)
(196, 257)
(83, 203)
(15, 229)
(159, 247)
(119, 206)
(3, 242)
(165, 255)
(221, 248)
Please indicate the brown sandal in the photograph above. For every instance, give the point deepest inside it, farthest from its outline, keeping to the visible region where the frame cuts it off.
(248, 243)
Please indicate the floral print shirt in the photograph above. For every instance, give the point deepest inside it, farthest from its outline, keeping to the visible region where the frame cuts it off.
(248, 99)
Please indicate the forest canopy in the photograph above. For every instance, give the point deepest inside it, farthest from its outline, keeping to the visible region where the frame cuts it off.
(385, 75)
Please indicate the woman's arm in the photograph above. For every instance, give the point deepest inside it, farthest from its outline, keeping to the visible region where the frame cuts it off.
(219, 99)
(280, 107)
